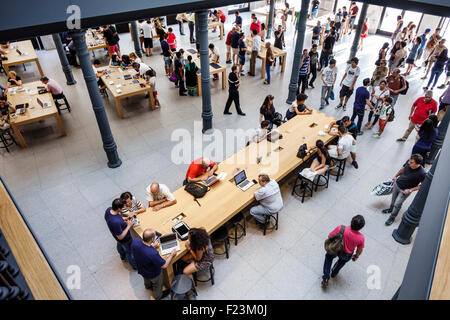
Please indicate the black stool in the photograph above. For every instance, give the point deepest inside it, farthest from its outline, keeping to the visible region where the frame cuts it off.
(104, 92)
(220, 236)
(236, 223)
(211, 276)
(58, 97)
(340, 165)
(267, 222)
(6, 139)
(181, 286)
(305, 184)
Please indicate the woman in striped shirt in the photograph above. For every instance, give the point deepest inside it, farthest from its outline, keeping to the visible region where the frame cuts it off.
(132, 206)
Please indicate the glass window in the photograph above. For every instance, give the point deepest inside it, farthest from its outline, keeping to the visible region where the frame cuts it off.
(390, 20)
(412, 16)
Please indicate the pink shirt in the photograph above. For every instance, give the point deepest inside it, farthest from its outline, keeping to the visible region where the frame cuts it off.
(53, 87)
(171, 40)
(352, 239)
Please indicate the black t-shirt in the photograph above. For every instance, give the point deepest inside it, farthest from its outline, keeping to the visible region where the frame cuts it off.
(235, 39)
(268, 114)
(410, 178)
(314, 56)
(12, 81)
(278, 43)
(328, 44)
(178, 66)
(351, 128)
(109, 36)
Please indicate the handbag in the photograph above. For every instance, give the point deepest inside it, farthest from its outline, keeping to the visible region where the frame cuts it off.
(173, 77)
(301, 153)
(332, 95)
(335, 244)
(383, 189)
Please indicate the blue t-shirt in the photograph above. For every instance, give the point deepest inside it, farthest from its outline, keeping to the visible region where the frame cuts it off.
(238, 20)
(425, 142)
(360, 98)
(147, 259)
(116, 225)
(165, 48)
(316, 30)
(242, 46)
(423, 37)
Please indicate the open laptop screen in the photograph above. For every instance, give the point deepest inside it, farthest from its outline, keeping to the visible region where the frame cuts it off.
(240, 177)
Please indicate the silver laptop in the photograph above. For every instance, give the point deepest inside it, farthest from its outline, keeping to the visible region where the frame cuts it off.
(43, 104)
(242, 182)
(168, 243)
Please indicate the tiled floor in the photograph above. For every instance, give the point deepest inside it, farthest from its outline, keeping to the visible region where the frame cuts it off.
(62, 185)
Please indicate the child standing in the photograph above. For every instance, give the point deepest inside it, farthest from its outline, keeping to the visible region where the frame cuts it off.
(385, 112)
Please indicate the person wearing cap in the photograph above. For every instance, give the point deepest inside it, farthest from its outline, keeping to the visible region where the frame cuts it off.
(200, 170)
(424, 39)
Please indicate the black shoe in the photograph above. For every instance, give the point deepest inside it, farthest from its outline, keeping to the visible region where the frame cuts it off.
(227, 112)
(183, 94)
(311, 85)
(165, 293)
(388, 210)
(241, 114)
(442, 86)
(324, 283)
(360, 133)
(333, 275)
(327, 103)
(229, 61)
(389, 221)
(355, 164)
(339, 105)
(344, 107)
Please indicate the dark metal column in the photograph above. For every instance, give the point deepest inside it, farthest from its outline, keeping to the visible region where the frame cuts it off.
(202, 26)
(411, 217)
(270, 23)
(109, 145)
(63, 59)
(439, 141)
(137, 45)
(298, 51)
(196, 31)
(357, 38)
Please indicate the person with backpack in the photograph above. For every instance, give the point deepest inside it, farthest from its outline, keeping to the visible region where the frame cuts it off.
(344, 240)
(420, 110)
(386, 115)
(396, 85)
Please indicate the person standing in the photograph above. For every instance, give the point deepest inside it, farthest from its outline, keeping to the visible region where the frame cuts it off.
(150, 264)
(269, 61)
(327, 49)
(329, 76)
(438, 68)
(353, 13)
(396, 84)
(191, 25)
(430, 52)
(352, 239)
(172, 39)
(364, 33)
(427, 134)
(112, 40)
(148, 40)
(191, 76)
(348, 82)
(420, 110)
(362, 97)
(242, 51)
(238, 19)
(120, 230)
(314, 64)
(314, 8)
(378, 96)
(397, 30)
(423, 39)
(167, 54)
(279, 41)
(303, 72)
(317, 31)
(179, 72)
(235, 36)
(228, 45)
(385, 112)
(233, 91)
(407, 180)
(214, 57)
(256, 47)
(269, 197)
(181, 17)
(412, 55)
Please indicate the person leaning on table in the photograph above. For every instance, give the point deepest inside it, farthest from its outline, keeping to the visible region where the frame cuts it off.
(150, 264)
(159, 196)
(198, 170)
(269, 197)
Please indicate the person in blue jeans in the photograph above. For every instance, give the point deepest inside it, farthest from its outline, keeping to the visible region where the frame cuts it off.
(438, 68)
(120, 230)
(269, 61)
(362, 98)
(352, 239)
(427, 134)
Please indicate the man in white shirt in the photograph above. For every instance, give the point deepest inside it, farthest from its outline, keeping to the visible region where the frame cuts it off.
(329, 75)
(148, 39)
(269, 197)
(159, 196)
(348, 82)
(142, 68)
(346, 144)
(215, 57)
(256, 47)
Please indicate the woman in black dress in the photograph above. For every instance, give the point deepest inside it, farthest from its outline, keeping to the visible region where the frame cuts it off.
(191, 76)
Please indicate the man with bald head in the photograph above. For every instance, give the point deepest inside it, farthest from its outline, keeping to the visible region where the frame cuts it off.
(149, 262)
(159, 196)
(200, 170)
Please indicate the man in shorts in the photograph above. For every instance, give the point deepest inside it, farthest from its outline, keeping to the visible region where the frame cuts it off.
(348, 82)
(235, 36)
(167, 54)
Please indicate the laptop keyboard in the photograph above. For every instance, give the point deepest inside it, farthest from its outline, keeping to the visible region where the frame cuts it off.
(244, 183)
(165, 246)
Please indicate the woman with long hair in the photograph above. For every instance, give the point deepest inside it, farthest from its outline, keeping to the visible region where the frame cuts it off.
(322, 161)
(262, 33)
(191, 76)
(438, 68)
(427, 133)
(412, 55)
(201, 253)
(267, 112)
(395, 48)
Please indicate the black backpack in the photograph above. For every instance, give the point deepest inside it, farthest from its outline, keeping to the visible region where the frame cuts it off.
(391, 115)
(407, 87)
(197, 189)
(301, 153)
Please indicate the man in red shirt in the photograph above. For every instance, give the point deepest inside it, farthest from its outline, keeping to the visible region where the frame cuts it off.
(172, 39)
(352, 239)
(353, 13)
(255, 24)
(198, 170)
(228, 45)
(420, 110)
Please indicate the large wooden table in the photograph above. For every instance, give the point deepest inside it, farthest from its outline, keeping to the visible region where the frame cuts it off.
(264, 11)
(128, 87)
(262, 55)
(14, 58)
(212, 71)
(95, 41)
(225, 200)
(34, 112)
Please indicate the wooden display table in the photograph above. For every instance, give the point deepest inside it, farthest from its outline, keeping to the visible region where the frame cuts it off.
(14, 58)
(128, 88)
(262, 55)
(34, 112)
(225, 200)
(95, 40)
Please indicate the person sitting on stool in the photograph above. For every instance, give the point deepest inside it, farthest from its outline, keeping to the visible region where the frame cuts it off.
(198, 170)
(53, 87)
(269, 197)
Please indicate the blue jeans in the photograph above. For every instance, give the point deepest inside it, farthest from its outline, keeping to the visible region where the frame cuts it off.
(124, 250)
(343, 259)
(259, 213)
(360, 114)
(180, 24)
(268, 73)
(434, 74)
(394, 99)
